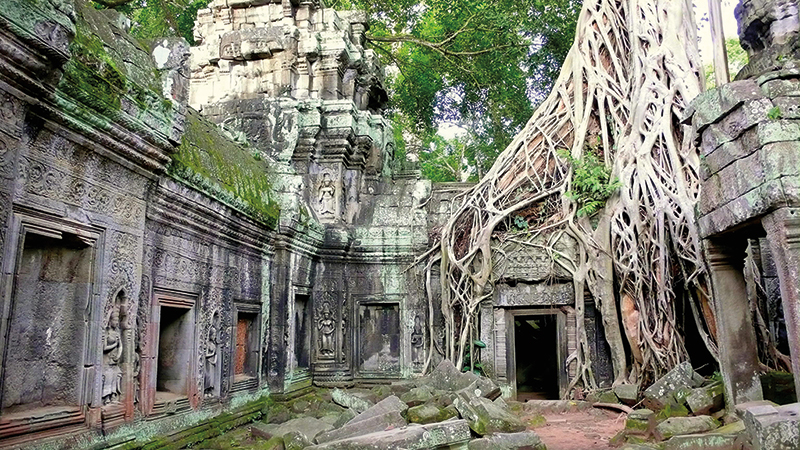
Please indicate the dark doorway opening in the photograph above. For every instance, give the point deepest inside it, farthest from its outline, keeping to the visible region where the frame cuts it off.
(536, 343)
(175, 350)
(302, 328)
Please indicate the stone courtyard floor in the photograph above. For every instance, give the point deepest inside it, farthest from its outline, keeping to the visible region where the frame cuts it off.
(580, 430)
(585, 429)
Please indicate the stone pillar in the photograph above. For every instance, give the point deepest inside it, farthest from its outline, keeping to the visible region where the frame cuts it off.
(738, 349)
(783, 234)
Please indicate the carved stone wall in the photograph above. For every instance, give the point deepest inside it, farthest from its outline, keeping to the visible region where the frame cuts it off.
(749, 137)
(154, 271)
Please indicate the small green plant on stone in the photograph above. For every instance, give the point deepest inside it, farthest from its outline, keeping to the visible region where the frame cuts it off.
(774, 113)
(591, 182)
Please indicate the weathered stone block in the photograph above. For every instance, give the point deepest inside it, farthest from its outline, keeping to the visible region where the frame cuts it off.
(417, 396)
(702, 442)
(356, 401)
(772, 427)
(660, 393)
(485, 417)
(446, 377)
(735, 93)
(791, 189)
(780, 159)
(627, 393)
(777, 131)
(295, 440)
(450, 434)
(788, 107)
(508, 441)
(426, 413)
(705, 400)
(387, 405)
(307, 426)
(781, 88)
(678, 426)
(640, 421)
(374, 424)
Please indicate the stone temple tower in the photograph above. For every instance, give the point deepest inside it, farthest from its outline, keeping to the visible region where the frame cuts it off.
(294, 81)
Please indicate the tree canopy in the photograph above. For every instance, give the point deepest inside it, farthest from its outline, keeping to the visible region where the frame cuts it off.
(480, 65)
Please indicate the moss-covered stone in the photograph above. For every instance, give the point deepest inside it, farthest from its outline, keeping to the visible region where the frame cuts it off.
(213, 164)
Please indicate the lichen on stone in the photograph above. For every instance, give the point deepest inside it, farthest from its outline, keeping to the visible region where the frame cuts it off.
(213, 164)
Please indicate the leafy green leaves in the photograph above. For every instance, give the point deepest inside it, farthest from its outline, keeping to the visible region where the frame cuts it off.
(478, 64)
(162, 18)
(591, 182)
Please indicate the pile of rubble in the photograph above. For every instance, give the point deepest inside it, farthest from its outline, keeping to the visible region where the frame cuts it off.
(682, 410)
(445, 409)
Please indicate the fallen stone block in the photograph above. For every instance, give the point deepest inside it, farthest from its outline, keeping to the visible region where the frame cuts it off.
(662, 392)
(640, 447)
(346, 416)
(705, 400)
(402, 386)
(307, 426)
(295, 440)
(528, 440)
(449, 434)
(627, 393)
(555, 406)
(387, 421)
(417, 396)
(356, 401)
(771, 427)
(447, 378)
(679, 426)
(641, 421)
(702, 442)
(486, 417)
(387, 405)
(430, 413)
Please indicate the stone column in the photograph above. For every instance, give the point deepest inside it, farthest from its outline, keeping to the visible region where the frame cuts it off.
(738, 349)
(783, 234)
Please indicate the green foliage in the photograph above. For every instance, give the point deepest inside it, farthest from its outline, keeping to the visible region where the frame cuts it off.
(737, 59)
(163, 18)
(520, 223)
(591, 182)
(477, 367)
(774, 113)
(479, 64)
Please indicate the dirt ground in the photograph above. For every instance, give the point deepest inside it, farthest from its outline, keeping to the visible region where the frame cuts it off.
(580, 430)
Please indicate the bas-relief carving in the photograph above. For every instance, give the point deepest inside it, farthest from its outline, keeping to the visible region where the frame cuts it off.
(211, 357)
(326, 325)
(418, 343)
(113, 341)
(326, 197)
(538, 294)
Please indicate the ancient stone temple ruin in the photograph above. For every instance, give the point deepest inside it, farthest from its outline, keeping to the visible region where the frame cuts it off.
(749, 136)
(187, 231)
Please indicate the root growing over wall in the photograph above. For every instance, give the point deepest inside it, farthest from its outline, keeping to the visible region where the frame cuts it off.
(621, 95)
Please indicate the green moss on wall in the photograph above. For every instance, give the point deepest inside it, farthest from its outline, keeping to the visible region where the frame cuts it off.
(213, 164)
(99, 80)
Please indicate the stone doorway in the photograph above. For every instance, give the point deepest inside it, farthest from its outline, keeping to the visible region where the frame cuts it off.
(175, 352)
(44, 336)
(536, 362)
(170, 364)
(246, 344)
(537, 352)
